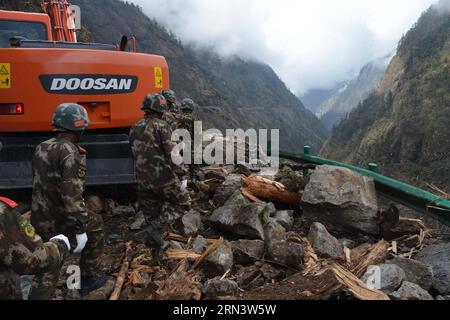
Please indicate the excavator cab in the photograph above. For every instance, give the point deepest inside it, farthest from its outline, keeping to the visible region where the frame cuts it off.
(24, 29)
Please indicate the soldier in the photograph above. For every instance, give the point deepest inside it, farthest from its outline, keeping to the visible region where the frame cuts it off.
(58, 206)
(161, 197)
(186, 121)
(171, 115)
(22, 251)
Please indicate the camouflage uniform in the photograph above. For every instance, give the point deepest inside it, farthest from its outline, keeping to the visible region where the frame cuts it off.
(160, 196)
(22, 252)
(59, 170)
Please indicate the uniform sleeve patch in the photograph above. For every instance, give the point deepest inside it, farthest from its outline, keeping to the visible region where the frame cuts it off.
(81, 172)
(27, 228)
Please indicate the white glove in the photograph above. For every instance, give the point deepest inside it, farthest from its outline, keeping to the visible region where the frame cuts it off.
(81, 242)
(184, 184)
(62, 238)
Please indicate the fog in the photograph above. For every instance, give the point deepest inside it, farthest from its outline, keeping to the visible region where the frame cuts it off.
(309, 43)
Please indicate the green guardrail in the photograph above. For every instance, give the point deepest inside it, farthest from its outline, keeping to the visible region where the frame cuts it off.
(415, 198)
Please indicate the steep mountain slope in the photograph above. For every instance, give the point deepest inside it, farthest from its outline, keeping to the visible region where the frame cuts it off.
(315, 97)
(336, 108)
(404, 124)
(242, 94)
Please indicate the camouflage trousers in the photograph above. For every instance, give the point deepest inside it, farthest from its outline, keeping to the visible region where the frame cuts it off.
(162, 208)
(10, 286)
(43, 286)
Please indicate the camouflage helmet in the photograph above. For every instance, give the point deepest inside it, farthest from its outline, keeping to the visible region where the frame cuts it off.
(70, 117)
(187, 105)
(154, 102)
(169, 95)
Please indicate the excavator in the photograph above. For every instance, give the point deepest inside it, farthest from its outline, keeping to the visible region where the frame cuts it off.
(42, 65)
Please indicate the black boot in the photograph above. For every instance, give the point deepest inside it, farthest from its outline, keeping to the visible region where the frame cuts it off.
(156, 242)
(91, 283)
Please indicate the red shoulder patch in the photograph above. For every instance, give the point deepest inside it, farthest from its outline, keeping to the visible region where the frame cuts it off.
(82, 150)
(9, 202)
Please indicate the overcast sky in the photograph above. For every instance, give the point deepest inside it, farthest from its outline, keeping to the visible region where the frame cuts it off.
(309, 43)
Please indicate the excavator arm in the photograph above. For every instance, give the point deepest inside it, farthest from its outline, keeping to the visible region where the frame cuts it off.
(63, 20)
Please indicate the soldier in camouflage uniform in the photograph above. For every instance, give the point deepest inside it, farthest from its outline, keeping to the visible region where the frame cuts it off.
(186, 121)
(172, 113)
(58, 206)
(161, 197)
(22, 251)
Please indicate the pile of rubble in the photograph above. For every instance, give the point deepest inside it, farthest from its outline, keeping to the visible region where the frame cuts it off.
(276, 237)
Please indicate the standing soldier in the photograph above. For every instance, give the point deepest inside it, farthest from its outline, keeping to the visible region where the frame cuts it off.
(161, 197)
(22, 251)
(58, 206)
(186, 121)
(172, 113)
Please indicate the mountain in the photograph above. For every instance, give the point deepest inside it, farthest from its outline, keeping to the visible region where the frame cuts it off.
(404, 125)
(348, 97)
(233, 93)
(315, 97)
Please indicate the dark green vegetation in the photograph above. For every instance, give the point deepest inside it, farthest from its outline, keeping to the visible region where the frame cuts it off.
(404, 125)
(233, 93)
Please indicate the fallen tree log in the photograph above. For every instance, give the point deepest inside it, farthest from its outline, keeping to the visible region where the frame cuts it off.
(122, 273)
(263, 188)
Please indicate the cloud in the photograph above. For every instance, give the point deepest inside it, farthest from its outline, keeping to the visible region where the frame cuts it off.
(309, 43)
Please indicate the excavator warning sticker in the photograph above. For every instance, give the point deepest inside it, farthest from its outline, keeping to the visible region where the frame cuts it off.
(158, 78)
(5, 75)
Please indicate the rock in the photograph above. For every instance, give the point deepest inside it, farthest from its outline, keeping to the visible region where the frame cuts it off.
(285, 218)
(271, 273)
(286, 253)
(191, 223)
(273, 231)
(323, 243)
(245, 277)
(226, 190)
(139, 222)
(415, 272)
(384, 277)
(342, 200)
(199, 245)
(292, 180)
(411, 291)
(438, 257)
(127, 211)
(175, 245)
(215, 288)
(241, 217)
(94, 204)
(218, 262)
(347, 243)
(247, 251)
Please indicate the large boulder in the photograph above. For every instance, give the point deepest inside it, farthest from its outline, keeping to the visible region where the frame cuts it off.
(241, 217)
(411, 291)
(219, 261)
(415, 271)
(247, 251)
(323, 243)
(227, 188)
(342, 200)
(385, 277)
(438, 257)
